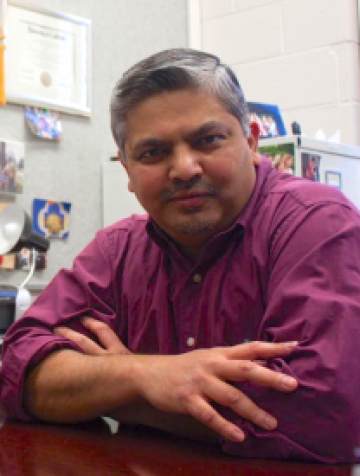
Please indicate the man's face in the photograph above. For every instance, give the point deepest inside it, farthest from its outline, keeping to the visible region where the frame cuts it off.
(189, 164)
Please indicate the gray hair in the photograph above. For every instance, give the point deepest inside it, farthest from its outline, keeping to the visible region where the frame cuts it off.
(174, 70)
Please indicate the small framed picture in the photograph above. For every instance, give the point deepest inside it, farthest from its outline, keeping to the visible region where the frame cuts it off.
(333, 178)
(268, 118)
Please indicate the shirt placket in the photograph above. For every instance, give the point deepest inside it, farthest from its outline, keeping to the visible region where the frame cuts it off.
(187, 312)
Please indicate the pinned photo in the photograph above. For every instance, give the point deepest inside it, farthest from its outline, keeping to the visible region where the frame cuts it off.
(44, 123)
(282, 156)
(51, 219)
(11, 166)
(310, 166)
(23, 260)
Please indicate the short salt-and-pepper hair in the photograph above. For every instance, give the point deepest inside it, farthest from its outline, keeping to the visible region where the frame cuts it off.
(175, 70)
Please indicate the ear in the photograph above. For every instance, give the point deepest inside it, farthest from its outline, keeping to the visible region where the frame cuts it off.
(124, 164)
(253, 141)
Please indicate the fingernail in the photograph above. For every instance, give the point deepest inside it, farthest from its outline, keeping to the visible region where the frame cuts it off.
(288, 383)
(292, 345)
(270, 423)
(59, 330)
(238, 435)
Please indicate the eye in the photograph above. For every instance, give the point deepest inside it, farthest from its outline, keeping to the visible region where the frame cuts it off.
(210, 140)
(152, 155)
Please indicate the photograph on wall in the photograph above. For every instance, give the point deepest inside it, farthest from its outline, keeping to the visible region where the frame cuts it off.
(268, 118)
(22, 260)
(333, 178)
(51, 219)
(11, 166)
(282, 156)
(7, 262)
(43, 123)
(310, 166)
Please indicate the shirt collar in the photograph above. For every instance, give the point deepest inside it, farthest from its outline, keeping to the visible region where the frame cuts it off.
(262, 171)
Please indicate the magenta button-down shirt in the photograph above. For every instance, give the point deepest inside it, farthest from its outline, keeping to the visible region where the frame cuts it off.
(288, 269)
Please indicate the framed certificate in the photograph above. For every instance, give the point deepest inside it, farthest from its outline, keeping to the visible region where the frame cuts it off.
(48, 61)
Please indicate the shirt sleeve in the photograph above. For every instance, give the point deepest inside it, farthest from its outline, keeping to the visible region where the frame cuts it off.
(313, 296)
(86, 289)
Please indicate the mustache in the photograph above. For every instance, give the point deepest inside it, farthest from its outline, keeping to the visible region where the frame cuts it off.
(195, 185)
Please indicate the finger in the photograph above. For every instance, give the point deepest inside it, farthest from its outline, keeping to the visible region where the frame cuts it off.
(260, 350)
(106, 336)
(261, 362)
(226, 395)
(251, 371)
(87, 345)
(202, 411)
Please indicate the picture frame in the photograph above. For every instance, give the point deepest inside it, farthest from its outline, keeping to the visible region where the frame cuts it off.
(269, 119)
(333, 178)
(48, 61)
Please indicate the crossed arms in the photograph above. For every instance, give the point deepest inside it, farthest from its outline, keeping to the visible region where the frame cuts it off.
(108, 377)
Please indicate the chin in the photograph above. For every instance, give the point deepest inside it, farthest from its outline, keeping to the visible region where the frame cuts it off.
(196, 226)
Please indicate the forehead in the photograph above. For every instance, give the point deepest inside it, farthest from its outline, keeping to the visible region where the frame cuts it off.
(172, 112)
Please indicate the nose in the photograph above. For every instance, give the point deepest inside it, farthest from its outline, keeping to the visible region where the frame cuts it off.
(185, 164)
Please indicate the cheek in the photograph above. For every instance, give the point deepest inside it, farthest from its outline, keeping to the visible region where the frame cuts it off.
(146, 182)
(226, 168)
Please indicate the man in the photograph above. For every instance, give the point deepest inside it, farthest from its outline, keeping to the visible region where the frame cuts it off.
(233, 307)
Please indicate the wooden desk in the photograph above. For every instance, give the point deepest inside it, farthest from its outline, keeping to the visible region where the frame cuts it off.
(92, 450)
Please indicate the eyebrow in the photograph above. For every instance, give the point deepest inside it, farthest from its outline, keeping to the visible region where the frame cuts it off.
(152, 142)
(206, 128)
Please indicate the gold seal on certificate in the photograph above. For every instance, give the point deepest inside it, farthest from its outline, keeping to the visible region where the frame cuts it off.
(46, 78)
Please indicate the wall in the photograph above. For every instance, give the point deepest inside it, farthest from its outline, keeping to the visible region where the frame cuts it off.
(124, 31)
(300, 54)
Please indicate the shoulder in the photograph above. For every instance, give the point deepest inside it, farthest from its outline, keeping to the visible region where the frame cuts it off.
(292, 209)
(133, 223)
(305, 192)
(130, 230)
(285, 195)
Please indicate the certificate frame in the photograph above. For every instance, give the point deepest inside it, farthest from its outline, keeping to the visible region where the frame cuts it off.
(48, 59)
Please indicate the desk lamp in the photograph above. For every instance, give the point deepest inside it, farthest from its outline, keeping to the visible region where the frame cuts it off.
(16, 233)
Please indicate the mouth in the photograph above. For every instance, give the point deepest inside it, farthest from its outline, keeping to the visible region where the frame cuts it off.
(190, 199)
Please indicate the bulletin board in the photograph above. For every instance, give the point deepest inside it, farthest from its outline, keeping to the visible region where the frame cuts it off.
(70, 170)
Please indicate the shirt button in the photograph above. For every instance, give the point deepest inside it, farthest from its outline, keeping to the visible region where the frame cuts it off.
(190, 342)
(197, 278)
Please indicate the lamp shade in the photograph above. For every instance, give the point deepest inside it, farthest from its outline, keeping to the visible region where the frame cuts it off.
(16, 231)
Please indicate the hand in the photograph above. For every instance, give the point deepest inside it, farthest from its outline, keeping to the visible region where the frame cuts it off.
(188, 383)
(110, 342)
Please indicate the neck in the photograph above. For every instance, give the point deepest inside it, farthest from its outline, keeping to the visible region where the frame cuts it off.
(192, 253)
